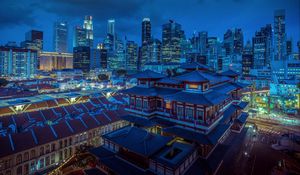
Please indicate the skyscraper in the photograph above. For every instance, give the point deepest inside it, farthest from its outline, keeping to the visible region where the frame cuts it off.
(172, 35)
(81, 58)
(111, 27)
(262, 47)
(131, 55)
(233, 41)
(146, 31)
(213, 48)
(289, 46)
(79, 38)
(33, 40)
(60, 37)
(203, 43)
(298, 45)
(247, 59)
(88, 26)
(279, 35)
(155, 51)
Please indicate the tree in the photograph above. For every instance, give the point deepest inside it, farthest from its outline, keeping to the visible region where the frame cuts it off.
(3, 82)
(102, 77)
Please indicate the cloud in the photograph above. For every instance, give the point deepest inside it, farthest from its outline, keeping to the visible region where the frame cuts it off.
(13, 13)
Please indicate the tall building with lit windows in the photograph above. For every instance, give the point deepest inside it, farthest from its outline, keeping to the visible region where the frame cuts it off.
(131, 54)
(279, 35)
(88, 26)
(203, 43)
(16, 62)
(172, 35)
(146, 30)
(81, 58)
(79, 38)
(60, 37)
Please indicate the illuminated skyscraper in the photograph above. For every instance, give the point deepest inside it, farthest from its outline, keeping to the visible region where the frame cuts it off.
(289, 46)
(79, 37)
(146, 30)
(60, 37)
(88, 26)
(155, 51)
(36, 37)
(247, 59)
(111, 26)
(262, 47)
(171, 42)
(131, 54)
(279, 35)
(203, 43)
(81, 58)
(233, 41)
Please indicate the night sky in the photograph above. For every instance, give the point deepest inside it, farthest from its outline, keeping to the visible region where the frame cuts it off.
(214, 16)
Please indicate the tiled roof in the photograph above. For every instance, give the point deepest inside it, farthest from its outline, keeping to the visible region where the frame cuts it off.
(207, 99)
(153, 91)
(194, 77)
(138, 140)
(230, 73)
(169, 80)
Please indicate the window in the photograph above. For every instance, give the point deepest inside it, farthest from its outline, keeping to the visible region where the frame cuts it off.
(158, 103)
(47, 161)
(70, 141)
(138, 103)
(19, 170)
(19, 158)
(47, 149)
(131, 100)
(41, 150)
(199, 115)
(168, 105)
(52, 158)
(193, 86)
(180, 111)
(53, 147)
(145, 105)
(189, 112)
(26, 156)
(32, 154)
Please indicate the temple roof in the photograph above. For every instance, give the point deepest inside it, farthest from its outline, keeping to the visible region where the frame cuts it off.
(153, 91)
(148, 74)
(207, 99)
(169, 80)
(195, 77)
(230, 73)
(138, 140)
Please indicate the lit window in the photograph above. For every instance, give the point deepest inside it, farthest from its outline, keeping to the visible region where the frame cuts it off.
(193, 86)
(189, 112)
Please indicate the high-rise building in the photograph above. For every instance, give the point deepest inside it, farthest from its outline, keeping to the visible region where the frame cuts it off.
(79, 38)
(81, 58)
(195, 42)
(146, 31)
(98, 59)
(262, 47)
(213, 49)
(172, 35)
(247, 59)
(233, 41)
(18, 62)
(131, 54)
(88, 26)
(289, 47)
(36, 37)
(279, 35)
(60, 37)
(55, 61)
(117, 59)
(203, 43)
(111, 27)
(155, 51)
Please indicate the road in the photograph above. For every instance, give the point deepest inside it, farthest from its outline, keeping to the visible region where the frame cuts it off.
(251, 152)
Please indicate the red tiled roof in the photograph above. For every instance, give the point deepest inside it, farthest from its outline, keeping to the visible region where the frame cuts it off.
(77, 125)
(43, 134)
(51, 103)
(6, 121)
(5, 110)
(60, 110)
(36, 115)
(21, 119)
(49, 114)
(5, 146)
(104, 100)
(62, 129)
(102, 119)
(89, 121)
(23, 141)
(62, 101)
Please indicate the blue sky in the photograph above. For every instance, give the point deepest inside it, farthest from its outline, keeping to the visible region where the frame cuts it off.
(214, 16)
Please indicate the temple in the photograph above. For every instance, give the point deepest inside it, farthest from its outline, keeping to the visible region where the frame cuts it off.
(175, 123)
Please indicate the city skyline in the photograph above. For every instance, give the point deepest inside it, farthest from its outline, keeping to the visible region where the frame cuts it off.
(130, 24)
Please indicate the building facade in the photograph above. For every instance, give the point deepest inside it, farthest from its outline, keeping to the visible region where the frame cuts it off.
(55, 61)
(60, 37)
(81, 58)
(18, 62)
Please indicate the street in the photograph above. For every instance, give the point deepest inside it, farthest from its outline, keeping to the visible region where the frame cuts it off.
(255, 156)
